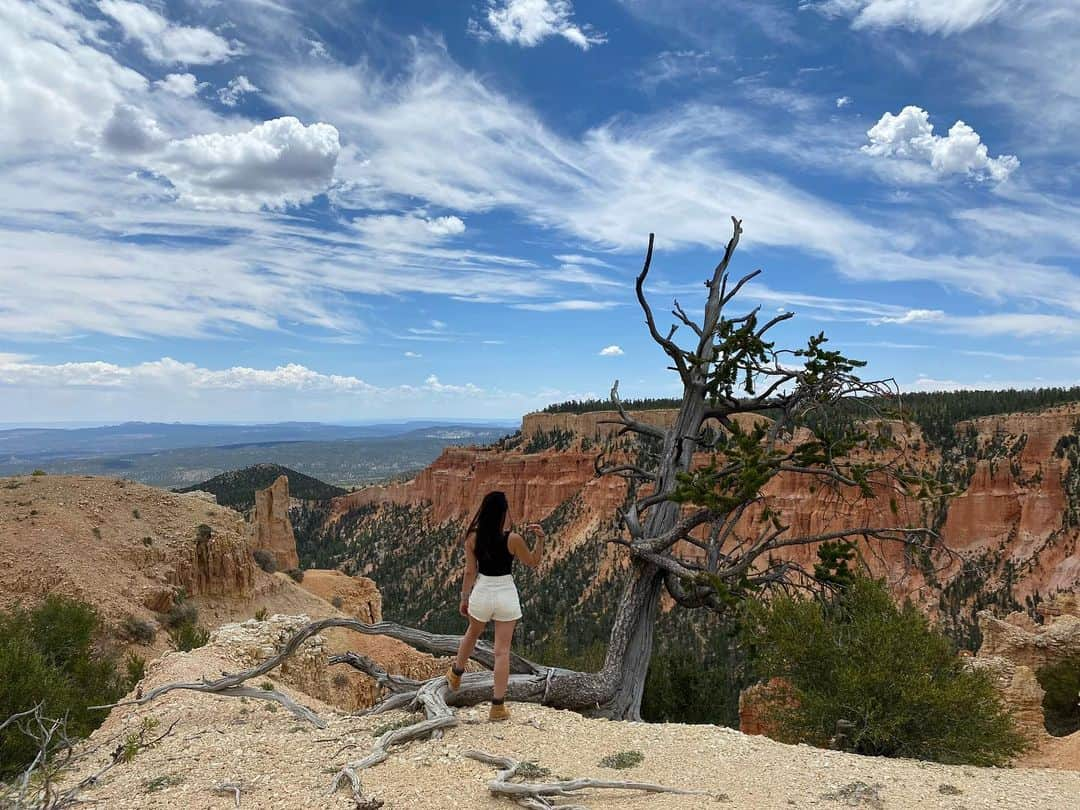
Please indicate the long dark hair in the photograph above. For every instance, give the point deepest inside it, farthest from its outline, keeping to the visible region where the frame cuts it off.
(488, 521)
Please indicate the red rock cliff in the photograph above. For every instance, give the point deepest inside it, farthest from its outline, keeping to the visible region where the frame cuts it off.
(1010, 519)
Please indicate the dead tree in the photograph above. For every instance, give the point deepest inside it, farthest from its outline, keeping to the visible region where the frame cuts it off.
(44, 783)
(703, 534)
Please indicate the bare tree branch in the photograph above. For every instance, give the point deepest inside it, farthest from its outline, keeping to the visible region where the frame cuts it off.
(673, 351)
(540, 794)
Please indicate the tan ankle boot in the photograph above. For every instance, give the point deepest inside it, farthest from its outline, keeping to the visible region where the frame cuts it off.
(499, 712)
(453, 679)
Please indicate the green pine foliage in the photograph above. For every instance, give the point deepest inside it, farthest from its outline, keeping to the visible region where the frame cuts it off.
(936, 412)
(546, 439)
(55, 655)
(236, 488)
(858, 658)
(1061, 704)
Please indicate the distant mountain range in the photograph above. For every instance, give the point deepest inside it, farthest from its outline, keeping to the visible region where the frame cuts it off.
(43, 444)
(178, 455)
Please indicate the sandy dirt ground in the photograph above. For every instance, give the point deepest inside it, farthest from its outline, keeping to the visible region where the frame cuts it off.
(282, 762)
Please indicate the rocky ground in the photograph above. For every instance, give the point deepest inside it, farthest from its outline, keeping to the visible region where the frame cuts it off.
(281, 762)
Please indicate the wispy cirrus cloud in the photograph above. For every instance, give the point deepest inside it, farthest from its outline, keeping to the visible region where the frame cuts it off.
(929, 16)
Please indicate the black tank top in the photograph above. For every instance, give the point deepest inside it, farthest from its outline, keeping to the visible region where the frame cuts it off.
(493, 556)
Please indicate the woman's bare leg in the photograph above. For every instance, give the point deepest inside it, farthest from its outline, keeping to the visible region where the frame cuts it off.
(468, 643)
(504, 633)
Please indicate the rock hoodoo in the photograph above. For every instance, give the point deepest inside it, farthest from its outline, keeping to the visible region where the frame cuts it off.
(1015, 648)
(270, 526)
(355, 596)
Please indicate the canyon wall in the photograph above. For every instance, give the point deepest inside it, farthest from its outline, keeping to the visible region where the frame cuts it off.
(595, 425)
(456, 482)
(1007, 530)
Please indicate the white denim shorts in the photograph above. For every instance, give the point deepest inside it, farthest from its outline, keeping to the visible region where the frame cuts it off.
(494, 598)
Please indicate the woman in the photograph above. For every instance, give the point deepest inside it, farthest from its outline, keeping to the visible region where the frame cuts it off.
(488, 592)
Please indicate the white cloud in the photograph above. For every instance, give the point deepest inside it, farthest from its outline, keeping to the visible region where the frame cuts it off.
(184, 85)
(914, 316)
(446, 226)
(55, 87)
(231, 93)
(130, 131)
(404, 231)
(572, 274)
(679, 66)
(167, 42)
(930, 16)
(1016, 324)
(530, 22)
(577, 258)
(611, 351)
(413, 355)
(843, 101)
(274, 164)
(567, 305)
(432, 384)
(910, 136)
(171, 373)
(171, 390)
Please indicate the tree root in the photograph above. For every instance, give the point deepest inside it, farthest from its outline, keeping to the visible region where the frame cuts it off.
(230, 684)
(537, 795)
(431, 697)
(529, 683)
(229, 787)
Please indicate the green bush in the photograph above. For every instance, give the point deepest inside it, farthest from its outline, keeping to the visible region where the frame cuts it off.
(139, 630)
(1061, 704)
(623, 760)
(265, 560)
(53, 655)
(183, 623)
(182, 612)
(188, 636)
(859, 659)
(203, 532)
(136, 668)
(682, 687)
(297, 574)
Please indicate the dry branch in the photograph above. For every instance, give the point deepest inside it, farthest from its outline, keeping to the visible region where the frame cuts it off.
(431, 698)
(229, 787)
(537, 794)
(231, 685)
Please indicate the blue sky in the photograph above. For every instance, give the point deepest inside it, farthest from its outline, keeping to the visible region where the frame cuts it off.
(252, 210)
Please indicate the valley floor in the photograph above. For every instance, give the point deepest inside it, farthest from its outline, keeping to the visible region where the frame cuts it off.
(282, 763)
